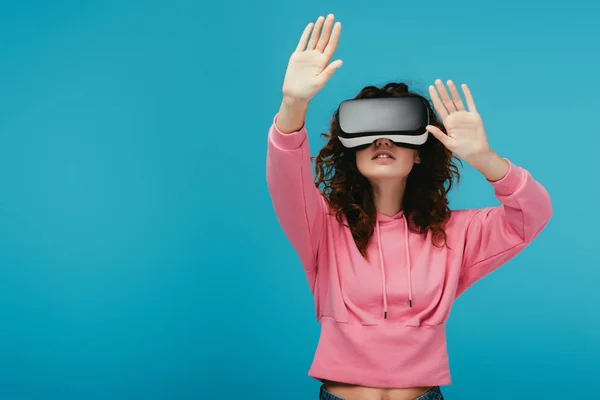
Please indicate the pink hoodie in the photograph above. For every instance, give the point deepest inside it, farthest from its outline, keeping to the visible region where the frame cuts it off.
(383, 321)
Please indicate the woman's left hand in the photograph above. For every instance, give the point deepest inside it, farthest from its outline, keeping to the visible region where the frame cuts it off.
(465, 136)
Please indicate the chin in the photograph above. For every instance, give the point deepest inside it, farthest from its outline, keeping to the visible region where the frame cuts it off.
(386, 175)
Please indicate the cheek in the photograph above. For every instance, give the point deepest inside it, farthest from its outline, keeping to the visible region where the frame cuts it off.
(403, 166)
(407, 154)
(362, 161)
(406, 160)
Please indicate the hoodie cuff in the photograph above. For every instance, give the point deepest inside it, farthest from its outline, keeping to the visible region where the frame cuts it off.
(509, 184)
(287, 141)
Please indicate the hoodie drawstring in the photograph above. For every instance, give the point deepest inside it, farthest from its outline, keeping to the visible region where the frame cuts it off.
(408, 266)
(382, 265)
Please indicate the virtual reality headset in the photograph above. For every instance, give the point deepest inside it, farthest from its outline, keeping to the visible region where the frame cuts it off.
(402, 120)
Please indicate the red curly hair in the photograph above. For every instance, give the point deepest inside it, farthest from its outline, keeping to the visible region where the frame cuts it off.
(349, 194)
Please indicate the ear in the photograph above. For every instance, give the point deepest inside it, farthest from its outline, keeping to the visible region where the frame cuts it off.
(417, 158)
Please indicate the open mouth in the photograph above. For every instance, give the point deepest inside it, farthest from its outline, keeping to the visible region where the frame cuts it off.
(383, 154)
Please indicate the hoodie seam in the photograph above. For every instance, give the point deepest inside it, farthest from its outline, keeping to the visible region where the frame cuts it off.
(293, 150)
(501, 188)
(306, 218)
(491, 257)
(521, 234)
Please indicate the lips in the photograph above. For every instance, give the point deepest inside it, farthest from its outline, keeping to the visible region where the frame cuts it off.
(384, 153)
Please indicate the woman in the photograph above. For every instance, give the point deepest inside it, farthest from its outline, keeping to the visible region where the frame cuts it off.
(384, 256)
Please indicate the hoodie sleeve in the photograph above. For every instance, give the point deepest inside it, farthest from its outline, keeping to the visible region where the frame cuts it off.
(495, 235)
(298, 203)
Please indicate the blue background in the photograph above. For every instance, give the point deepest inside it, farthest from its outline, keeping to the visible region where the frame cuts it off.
(139, 254)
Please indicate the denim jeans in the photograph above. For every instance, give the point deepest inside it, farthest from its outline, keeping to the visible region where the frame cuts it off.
(433, 394)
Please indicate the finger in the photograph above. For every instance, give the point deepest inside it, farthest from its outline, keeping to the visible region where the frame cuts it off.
(445, 98)
(329, 71)
(315, 34)
(455, 96)
(439, 135)
(333, 41)
(437, 103)
(304, 38)
(469, 97)
(324, 39)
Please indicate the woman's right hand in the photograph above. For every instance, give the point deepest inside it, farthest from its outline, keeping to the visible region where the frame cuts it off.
(309, 67)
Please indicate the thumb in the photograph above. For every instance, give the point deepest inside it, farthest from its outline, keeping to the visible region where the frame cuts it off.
(439, 135)
(329, 71)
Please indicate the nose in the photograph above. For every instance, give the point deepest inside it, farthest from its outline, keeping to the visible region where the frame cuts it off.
(382, 142)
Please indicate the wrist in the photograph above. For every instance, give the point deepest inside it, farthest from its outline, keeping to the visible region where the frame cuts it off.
(490, 165)
(294, 102)
(292, 113)
(481, 159)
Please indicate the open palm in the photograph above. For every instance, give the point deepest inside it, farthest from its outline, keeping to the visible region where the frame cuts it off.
(309, 68)
(466, 135)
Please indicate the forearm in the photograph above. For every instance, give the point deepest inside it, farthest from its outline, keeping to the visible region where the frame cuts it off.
(490, 165)
(297, 202)
(494, 235)
(291, 116)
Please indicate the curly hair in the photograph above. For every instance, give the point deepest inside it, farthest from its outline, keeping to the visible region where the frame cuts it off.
(349, 194)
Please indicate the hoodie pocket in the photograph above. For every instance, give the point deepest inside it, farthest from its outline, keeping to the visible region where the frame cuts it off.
(420, 324)
(330, 307)
(422, 321)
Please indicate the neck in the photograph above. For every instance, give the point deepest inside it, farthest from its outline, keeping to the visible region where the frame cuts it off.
(388, 197)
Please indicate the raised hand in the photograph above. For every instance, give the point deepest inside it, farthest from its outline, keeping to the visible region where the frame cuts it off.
(309, 67)
(466, 135)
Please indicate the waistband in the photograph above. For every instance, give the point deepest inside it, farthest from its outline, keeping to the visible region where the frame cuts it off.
(433, 394)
